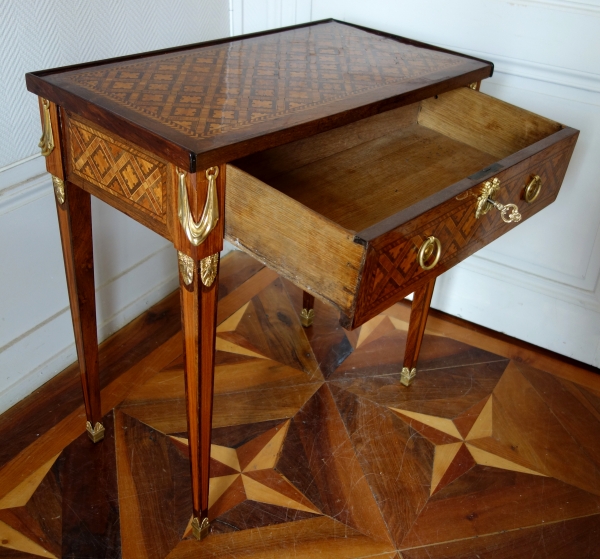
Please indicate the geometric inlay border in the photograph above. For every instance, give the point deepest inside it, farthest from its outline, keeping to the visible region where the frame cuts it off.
(118, 168)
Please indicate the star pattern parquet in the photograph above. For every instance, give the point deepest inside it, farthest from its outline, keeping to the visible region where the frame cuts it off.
(319, 451)
(210, 90)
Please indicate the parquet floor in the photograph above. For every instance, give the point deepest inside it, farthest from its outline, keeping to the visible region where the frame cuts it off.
(493, 452)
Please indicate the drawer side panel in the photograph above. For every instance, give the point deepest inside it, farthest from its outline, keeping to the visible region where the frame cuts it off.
(391, 269)
(309, 250)
(484, 122)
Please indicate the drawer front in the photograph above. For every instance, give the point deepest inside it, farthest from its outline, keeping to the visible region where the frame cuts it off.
(118, 172)
(392, 270)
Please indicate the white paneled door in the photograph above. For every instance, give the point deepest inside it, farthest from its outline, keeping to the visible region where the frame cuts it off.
(539, 283)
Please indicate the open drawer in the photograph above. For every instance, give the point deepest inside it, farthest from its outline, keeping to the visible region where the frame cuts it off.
(362, 215)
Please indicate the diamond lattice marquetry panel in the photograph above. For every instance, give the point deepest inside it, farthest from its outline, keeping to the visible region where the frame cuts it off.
(458, 230)
(118, 168)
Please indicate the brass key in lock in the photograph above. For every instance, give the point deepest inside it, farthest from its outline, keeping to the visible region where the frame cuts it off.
(485, 202)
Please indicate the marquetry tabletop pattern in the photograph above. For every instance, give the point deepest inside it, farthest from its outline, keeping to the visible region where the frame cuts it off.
(318, 451)
(211, 90)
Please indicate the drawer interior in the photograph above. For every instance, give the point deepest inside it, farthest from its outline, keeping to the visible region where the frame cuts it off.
(362, 173)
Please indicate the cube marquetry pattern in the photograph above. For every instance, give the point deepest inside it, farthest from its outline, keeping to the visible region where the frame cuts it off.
(118, 168)
(211, 90)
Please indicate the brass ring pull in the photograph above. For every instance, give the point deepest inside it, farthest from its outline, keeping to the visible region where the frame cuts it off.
(532, 190)
(197, 232)
(430, 245)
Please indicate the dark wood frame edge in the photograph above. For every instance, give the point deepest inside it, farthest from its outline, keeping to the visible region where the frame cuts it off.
(171, 143)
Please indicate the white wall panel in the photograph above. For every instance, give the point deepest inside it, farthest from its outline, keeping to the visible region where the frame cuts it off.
(560, 34)
(39, 34)
(539, 282)
(249, 17)
(134, 267)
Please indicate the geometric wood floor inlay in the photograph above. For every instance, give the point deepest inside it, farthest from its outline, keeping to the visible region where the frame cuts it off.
(318, 450)
(455, 454)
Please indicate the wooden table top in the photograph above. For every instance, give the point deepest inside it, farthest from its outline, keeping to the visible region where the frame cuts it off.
(213, 102)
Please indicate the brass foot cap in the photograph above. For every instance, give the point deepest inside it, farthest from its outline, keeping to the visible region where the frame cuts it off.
(307, 317)
(407, 375)
(95, 433)
(200, 530)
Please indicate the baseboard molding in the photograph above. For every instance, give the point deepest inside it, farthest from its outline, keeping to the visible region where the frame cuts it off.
(521, 311)
(47, 347)
(49, 337)
(478, 264)
(54, 337)
(21, 171)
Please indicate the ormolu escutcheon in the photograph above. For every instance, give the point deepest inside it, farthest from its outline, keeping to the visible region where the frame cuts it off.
(47, 139)
(197, 232)
(487, 200)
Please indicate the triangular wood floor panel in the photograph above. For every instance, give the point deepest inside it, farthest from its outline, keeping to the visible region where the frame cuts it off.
(318, 451)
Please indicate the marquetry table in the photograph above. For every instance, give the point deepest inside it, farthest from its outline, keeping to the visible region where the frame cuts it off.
(357, 164)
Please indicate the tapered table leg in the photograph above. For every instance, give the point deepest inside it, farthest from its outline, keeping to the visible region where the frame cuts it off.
(307, 315)
(75, 223)
(416, 328)
(199, 289)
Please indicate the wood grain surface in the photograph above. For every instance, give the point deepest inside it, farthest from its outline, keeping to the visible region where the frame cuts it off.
(361, 186)
(199, 321)
(418, 320)
(268, 164)
(317, 450)
(391, 268)
(75, 224)
(484, 122)
(292, 240)
(389, 184)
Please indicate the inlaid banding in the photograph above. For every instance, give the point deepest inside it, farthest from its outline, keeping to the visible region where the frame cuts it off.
(118, 167)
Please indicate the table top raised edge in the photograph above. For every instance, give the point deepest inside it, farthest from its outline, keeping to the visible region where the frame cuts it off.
(191, 152)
